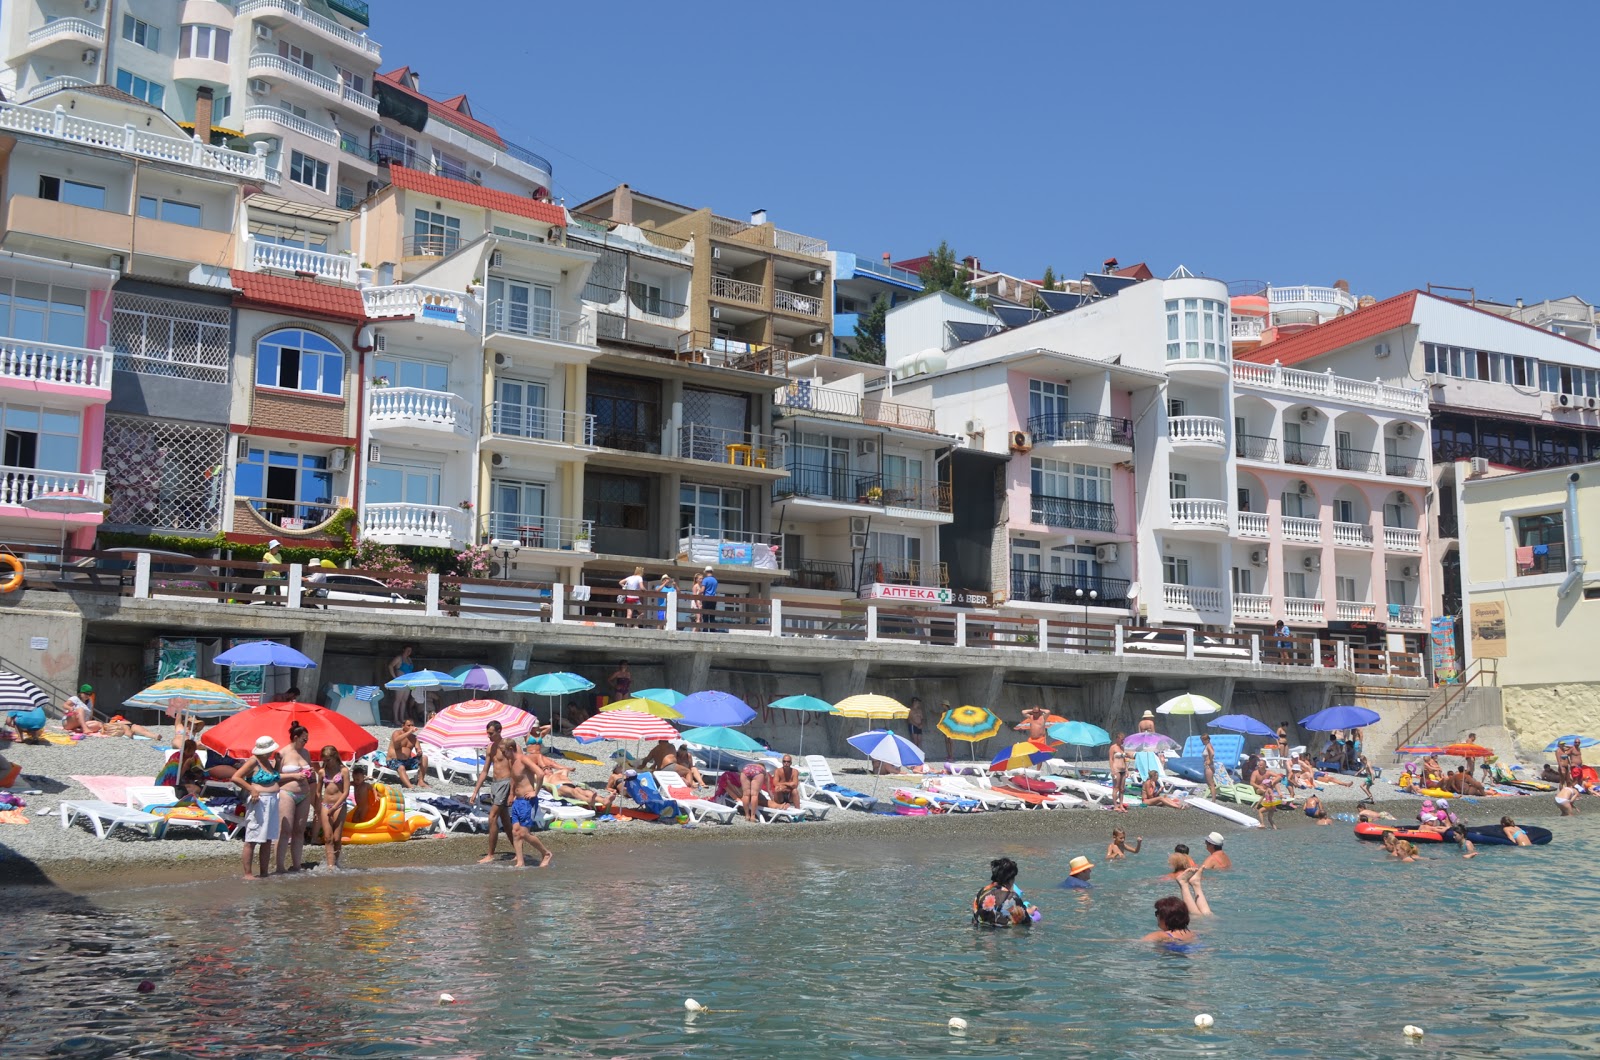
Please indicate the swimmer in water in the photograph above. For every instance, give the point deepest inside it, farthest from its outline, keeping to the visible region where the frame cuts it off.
(1314, 810)
(1000, 902)
(1172, 922)
(1119, 845)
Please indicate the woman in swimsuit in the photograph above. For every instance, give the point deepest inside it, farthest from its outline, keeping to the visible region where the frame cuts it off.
(1000, 902)
(752, 778)
(258, 778)
(1517, 836)
(1119, 773)
(334, 787)
(1172, 923)
(294, 797)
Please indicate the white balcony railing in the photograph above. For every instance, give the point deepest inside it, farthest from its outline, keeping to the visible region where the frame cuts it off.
(273, 63)
(1352, 535)
(289, 120)
(537, 531)
(1400, 539)
(425, 305)
(539, 322)
(799, 244)
(326, 26)
(1192, 597)
(1203, 430)
(1297, 529)
(1408, 615)
(738, 290)
(19, 485)
(1252, 606)
(1253, 524)
(729, 445)
(1247, 328)
(510, 420)
(1354, 611)
(1300, 609)
(1192, 511)
(794, 302)
(1326, 384)
(1326, 295)
(404, 406)
(43, 362)
(340, 268)
(74, 29)
(449, 527)
(59, 124)
(55, 84)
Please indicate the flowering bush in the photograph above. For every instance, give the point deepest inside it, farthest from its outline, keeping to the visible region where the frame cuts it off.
(474, 561)
(466, 506)
(371, 556)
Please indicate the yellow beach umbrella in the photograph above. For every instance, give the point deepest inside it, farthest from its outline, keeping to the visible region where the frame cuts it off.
(869, 706)
(644, 706)
(970, 724)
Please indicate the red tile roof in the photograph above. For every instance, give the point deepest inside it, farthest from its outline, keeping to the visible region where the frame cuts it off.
(1337, 333)
(454, 110)
(306, 297)
(473, 195)
(1140, 271)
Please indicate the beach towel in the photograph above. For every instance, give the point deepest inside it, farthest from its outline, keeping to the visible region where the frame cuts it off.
(1524, 557)
(60, 739)
(112, 789)
(1541, 550)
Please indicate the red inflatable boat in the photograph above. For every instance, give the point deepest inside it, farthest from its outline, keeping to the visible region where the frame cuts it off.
(1416, 835)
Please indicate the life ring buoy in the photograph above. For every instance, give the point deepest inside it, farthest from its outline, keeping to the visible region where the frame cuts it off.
(14, 582)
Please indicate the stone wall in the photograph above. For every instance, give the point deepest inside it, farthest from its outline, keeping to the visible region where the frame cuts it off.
(1540, 713)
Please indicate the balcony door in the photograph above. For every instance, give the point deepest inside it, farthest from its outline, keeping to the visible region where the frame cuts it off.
(711, 511)
(820, 467)
(522, 308)
(516, 513)
(418, 375)
(409, 480)
(435, 234)
(1294, 505)
(519, 408)
(893, 558)
(1047, 405)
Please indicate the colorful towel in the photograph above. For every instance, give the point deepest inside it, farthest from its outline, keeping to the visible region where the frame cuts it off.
(112, 789)
(60, 739)
(1524, 557)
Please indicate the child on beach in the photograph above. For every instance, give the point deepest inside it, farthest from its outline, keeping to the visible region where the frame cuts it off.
(1367, 778)
(1119, 845)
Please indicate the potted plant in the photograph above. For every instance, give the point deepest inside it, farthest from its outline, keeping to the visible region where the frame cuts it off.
(380, 381)
(466, 506)
(580, 540)
(875, 495)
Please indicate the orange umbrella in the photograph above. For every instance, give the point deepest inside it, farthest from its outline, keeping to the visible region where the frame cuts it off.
(1466, 750)
(236, 737)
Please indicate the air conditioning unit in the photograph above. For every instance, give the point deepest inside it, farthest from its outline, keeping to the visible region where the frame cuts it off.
(497, 259)
(858, 524)
(716, 312)
(866, 447)
(1591, 402)
(971, 427)
(1106, 554)
(502, 361)
(780, 439)
(497, 460)
(90, 56)
(1311, 563)
(1480, 465)
(1561, 401)
(1403, 430)
(259, 87)
(1381, 350)
(336, 460)
(1304, 489)
(1308, 415)
(241, 448)
(380, 342)
(1258, 558)
(815, 277)
(374, 453)
(1020, 441)
(1408, 571)
(91, 5)
(477, 175)
(263, 31)
(817, 338)
(716, 253)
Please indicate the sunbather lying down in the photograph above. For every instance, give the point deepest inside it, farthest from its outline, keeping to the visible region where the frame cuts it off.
(595, 800)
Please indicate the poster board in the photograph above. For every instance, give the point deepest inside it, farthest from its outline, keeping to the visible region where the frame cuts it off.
(1489, 630)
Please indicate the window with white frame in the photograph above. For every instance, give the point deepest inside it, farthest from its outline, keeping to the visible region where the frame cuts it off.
(297, 55)
(516, 513)
(645, 296)
(1344, 511)
(203, 42)
(1398, 590)
(449, 166)
(1047, 402)
(903, 473)
(350, 79)
(285, 236)
(41, 312)
(1242, 579)
(300, 360)
(286, 488)
(435, 234)
(1079, 482)
(1466, 363)
(1178, 485)
(893, 558)
(521, 308)
(163, 337)
(1294, 505)
(1344, 588)
(151, 92)
(312, 172)
(37, 437)
(170, 210)
(404, 480)
(1197, 329)
(1294, 584)
(711, 511)
(418, 375)
(1175, 570)
(141, 33)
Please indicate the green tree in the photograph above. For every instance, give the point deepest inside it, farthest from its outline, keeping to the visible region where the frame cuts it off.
(942, 272)
(869, 333)
(1049, 281)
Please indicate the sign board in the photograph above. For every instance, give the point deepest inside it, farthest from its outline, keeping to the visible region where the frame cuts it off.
(39, 643)
(434, 311)
(911, 594)
(737, 553)
(1442, 640)
(976, 598)
(1489, 630)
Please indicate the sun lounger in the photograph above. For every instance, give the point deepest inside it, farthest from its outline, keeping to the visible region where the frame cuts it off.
(699, 809)
(107, 817)
(768, 814)
(813, 809)
(818, 783)
(1039, 800)
(151, 795)
(961, 787)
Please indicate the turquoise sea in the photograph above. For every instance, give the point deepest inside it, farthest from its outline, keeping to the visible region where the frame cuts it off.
(1320, 948)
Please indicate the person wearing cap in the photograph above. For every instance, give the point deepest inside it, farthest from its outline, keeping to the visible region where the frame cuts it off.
(1078, 870)
(316, 575)
(79, 716)
(708, 592)
(271, 556)
(258, 778)
(1216, 858)
(1147, 722)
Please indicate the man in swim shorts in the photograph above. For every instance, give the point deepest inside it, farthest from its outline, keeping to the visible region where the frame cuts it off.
(406, 754)
(1033, 723)
(497, 770)
(526, 780)
(915, 720)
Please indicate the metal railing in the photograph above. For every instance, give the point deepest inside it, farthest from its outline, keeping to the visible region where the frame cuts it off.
(537, 531)
(328, 26)
(660, 307)
(728, 445)
(810, 305)
(1193, 597)
(1326, 384)
(18, 485)
(1073, 514)
(1299, 528)
(821, 574)
(1057, 587)
(1081, 427)
(426, 305)
(340, 268)
(1253, 524)
(1255, 447)
(528, 158)
(1197, 511)
(897, 570)
(738, 290)
(433, 245)
(404, 406)
(539, 322)
(289, 120)
(1206, 430)
(882, 413)
(801, 395)
(436, 523)
(1362, 460)
(45, 362)
(1305, 454)
(275, 63)
(796, 243)
(1411, 467)
(1402, 539)
(915, 495)
(1352, 535)
(508, 420)
(883, 268)
(820, 482)
(697, 347)
(58, 124)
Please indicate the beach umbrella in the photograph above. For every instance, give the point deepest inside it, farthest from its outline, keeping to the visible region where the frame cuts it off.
(970, 723)
(713, 708)
(721, 737)
(880, 745)
(1240, 723)
(64, 502)
(1581, 741)
(1020, 756)
(1340, 718)
(624, 725)
(1189, 703)
(421, 679)
(1150, 741)
(482, 678)
(236, 737)
(190, 695)
(1466, 750)
(1079, 734)
(870, 706)
(1420, 749)
(805, 705)
(646, 706)
(18, 695)
(660, 695)
(264, 653)
(463, 724)
(554, 685)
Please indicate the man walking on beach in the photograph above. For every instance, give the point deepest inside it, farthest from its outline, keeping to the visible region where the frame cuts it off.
(526, 781)
(497, 770)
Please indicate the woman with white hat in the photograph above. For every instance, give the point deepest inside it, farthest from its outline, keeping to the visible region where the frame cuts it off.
(259, 777)
(1147, 723)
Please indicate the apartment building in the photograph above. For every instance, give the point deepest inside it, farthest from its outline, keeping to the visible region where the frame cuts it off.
(1501, 391)
(858, 282)
(1262, 312)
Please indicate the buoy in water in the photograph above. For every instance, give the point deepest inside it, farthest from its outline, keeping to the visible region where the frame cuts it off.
(957, 1024)
(1203, 1020)
(1411, 1030)
(447, 999)
(691, 1005)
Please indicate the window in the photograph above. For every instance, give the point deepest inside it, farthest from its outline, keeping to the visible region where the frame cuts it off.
(646, 296)
(140, 88)
(1047, 402)
(520, 411)
(221, 107)
(1541, 544)
(434, 234)
(618, 502)
(179, 213)
(1488, 366)
(1175, 570)
(1197, 329)
(419, 375)
(710, 511)
(449, 166)
(1294, 505)
(35, 437)
(1344, 512)
(72, 192)
(1244, 499)
(406, 480)
(521, 308)
(294, 489)
(141, 33)
(1241, 580)
(284, 236)
(1176, 407)
(155, 336)
(1294, 585)
(350, 80)
(37, 312)
(297, 55)
(1344, 588)
(1177, 485)
(1399, 593)
(902, 473)
(291, 108)
(303, 169)
(203, 42)
(300, 360)
(517, 513)
(1079, 482)
(394, 147)
(893, 558)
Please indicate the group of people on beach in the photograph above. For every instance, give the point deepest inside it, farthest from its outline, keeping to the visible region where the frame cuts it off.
(288, 797)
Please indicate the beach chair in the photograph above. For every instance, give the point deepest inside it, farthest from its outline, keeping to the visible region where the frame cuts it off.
(817, 782)
(107, 817)
(699, 809)
(813, 809)
(768, 814)
(962, 788)
(1037, 800)
(151, 795)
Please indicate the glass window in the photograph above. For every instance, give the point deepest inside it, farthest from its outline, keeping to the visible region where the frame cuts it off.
(902, 472)
(1172, 330)
(37, 312)
(74, 192)
(1541, 542)
(35, 437)
(303, 169)
(1079, 482)
(435, 234)
(141, 33)
(1175, 570)
(521, 308)
(297, 55)
(419, 375)
(286, 486)
(140, 88)
(1047, 402)
(1344, 588)
(203, 42)
(1177, 485)
(403, 481)
(710, 511)
(516, 512)
(1294, 585)
(179, 213)
(300, 360)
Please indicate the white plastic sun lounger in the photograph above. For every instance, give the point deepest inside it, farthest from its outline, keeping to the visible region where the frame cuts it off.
(673, 787)
(960, 787)
(107, 817)
(151, 795)
(767, 814)
(818, 783)
(810, 807)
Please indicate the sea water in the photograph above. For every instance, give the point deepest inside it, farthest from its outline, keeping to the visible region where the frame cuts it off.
(1320, 947)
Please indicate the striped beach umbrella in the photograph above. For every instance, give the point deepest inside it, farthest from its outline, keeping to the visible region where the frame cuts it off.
(880, 745)
(624, 725)
(463, 724)
(970, 724)
(18, 695)
(1020, 756)
(421, 679)
(478, 677)
(193, 696)
(870, 706)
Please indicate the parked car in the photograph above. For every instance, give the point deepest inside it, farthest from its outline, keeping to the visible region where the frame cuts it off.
(335, 589)
(1170, 642)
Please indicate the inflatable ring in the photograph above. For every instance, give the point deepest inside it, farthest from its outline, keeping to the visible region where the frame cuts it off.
(14, 581)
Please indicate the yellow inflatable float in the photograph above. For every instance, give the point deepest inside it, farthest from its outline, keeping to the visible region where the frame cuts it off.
(389, 822)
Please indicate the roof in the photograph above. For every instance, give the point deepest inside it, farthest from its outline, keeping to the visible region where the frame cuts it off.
(299, 296)
(473, 195)
(454, 110)
(111, 92)
(1365, 323)
(1140, 271)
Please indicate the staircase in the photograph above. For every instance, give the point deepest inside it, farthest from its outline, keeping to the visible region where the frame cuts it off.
(1473, 704)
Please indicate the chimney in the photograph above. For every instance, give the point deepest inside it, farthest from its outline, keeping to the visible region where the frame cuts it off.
(202, 114)
(1519, 303)
(758, 217)
(622, 205)
(886, 257)
(1109, 265)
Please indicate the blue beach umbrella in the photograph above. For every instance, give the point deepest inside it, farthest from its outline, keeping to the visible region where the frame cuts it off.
(664, 696)
(264, 653)
(553, 685)
(712, 708)
(1340, 718)
(1079, 734)
(421, 679)
(722, 738)
(1240, 723)
(880, 745)
(1583, 741)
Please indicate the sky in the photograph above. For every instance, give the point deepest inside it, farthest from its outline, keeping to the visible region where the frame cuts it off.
(1391, 145)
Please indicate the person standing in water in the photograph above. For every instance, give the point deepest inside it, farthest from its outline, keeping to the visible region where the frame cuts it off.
(526, 781)
(1000, 902)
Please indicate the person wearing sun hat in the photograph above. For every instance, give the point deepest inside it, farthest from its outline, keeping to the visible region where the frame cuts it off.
(1147, 722)
(1215, 858)
(1078, 870)
(258, 777)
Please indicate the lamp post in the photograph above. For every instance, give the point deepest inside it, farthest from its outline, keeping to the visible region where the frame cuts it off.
(1085, 601)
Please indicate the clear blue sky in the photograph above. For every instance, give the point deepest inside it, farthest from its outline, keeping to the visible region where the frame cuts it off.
(1390, 144)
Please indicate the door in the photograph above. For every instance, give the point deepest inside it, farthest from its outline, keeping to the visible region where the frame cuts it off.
(407, 482)
(519, 409)
(522, 308)
(517, 514)
(1292, 453)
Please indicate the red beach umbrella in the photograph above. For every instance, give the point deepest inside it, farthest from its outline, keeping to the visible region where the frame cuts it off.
(237, 736)
(1466, 750)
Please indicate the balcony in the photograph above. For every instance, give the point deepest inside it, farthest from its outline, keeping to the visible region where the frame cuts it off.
(821, 575)
(880, 413)
(1256, 447)
(1253, 524)
(59, 124)
(1402, 539)
(1326, 384)
(430, 412)
(1252, 607)
(1334, 296)
(54, 84)
(808, 305)
(1354, 611)
(1196, 512)
(425, 305)
(537, 531)
(539, 425)
(18, 485)
(1410, 467)
(1407, 616)
(1297, 528)
(897, 570)
(279, 10)
(654, 306)
(255, 117)
(732, 290)
(1070, 514)
(1352, 535)
(1193, 597)
(1197, 430)
(1364, 461)
(46, 367)
(1054, 587)
(1247, 329)
(68, 32)
(423, 525)
(1086, 430)
(436, 245)
(275, 66)
(698, 347)
(818, 482)
(802, 397)
(914, 495)
(1305, 454)
(1300, 610)
(729, 446)
(539, 322)
(339, 268)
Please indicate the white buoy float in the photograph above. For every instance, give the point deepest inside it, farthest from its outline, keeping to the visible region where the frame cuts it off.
(1203, 1020)
(691, 1005)
(447, 999)
(957, 1025)
(1411, 1030)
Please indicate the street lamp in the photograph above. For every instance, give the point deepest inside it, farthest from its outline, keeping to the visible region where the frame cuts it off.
(1085, 601)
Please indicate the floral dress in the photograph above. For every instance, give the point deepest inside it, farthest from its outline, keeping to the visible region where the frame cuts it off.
(1002, 907)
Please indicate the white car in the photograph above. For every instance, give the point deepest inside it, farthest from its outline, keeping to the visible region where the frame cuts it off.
(1170, 642)
(334, 590)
